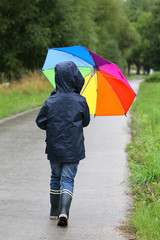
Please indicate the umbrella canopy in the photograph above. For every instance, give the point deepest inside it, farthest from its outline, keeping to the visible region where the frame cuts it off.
(106, 90)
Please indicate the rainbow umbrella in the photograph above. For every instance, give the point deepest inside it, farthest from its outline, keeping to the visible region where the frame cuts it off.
(106, 90)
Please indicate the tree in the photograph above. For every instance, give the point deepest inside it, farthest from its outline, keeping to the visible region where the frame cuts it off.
(147, 23)
(29, 27)
(22, 36)
(116, 35)
(155, 35)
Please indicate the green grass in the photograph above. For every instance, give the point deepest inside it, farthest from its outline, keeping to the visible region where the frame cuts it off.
(155, 77)
(27, 94)
(144, 161)
(134, 76)
(147, 223)
(129, 77)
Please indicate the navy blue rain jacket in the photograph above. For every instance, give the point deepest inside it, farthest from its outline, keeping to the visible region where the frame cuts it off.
(63, 116)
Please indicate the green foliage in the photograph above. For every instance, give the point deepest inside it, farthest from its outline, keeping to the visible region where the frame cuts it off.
(107, 30)
(86, 31)
(29, 27)
(147, 223)
(136, 7)
(155, 77)
(144, 152)
(144, 14)
(116, 35)
(21, 36)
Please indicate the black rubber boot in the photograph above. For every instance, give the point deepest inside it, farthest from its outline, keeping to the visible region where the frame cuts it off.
(54, 200)
(65, 203)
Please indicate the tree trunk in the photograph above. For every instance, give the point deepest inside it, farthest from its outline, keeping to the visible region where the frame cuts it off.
(128, 68)
(138, 68)
(143, 71)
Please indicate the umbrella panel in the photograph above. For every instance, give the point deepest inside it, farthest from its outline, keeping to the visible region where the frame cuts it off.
(54, 57)
(98, 60)
(50, 74)
(90, 92)
(114, 71)
(77, 51)
(106, 95)
(123, 92)
(108, 103)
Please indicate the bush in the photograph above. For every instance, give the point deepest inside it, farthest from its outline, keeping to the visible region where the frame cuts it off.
(155, 77)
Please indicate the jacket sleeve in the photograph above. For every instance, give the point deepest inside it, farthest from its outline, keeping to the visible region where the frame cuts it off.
(41, 119)
(86, 115)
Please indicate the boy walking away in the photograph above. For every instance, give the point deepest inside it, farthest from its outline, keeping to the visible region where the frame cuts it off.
(63, 116)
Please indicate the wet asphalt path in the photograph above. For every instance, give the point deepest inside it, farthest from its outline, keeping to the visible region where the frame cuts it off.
(100, 201)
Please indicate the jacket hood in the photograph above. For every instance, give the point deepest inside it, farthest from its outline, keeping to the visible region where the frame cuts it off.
(68, 77)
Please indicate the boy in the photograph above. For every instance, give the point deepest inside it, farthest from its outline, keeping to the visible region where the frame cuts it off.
(63, 116)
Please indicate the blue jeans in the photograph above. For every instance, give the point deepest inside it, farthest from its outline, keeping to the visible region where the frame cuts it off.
(62, 176)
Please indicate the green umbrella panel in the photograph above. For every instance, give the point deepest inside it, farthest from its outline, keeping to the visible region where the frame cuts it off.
(50, 74)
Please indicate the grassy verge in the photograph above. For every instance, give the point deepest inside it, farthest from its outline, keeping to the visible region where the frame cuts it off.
(29, 93)
(134, 76)
(144, 162)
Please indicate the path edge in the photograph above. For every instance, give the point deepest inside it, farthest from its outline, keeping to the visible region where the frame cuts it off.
(18, 115)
